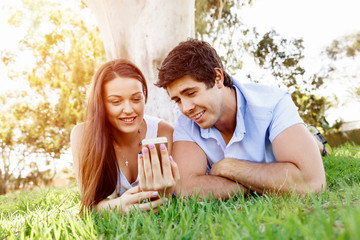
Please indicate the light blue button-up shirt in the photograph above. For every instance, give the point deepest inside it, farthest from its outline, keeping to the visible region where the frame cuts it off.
(262, 113)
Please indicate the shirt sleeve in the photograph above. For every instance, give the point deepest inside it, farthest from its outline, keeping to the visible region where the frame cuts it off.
(182, 127)
(180, 133)
(285, 114)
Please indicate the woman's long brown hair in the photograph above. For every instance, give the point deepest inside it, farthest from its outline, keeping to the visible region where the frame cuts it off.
(98, 165)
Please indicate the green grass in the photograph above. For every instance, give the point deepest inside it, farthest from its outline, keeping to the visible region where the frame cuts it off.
(333, 214)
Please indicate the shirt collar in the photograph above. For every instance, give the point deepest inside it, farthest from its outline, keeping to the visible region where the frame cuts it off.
(240, 129)
(240, 126)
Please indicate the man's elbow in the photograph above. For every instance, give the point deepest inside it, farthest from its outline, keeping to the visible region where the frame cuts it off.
(182, 190)
(189, 190)
(314, 186)
(318, 185)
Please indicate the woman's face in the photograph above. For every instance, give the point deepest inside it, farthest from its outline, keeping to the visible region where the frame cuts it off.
(124, 103)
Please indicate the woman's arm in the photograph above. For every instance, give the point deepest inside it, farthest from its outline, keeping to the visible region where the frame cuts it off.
(75, 142)
(129, 200)
(132, 199)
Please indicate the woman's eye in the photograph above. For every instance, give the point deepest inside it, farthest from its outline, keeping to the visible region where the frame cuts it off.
(115, 102)
(137, 99)
(191, 93)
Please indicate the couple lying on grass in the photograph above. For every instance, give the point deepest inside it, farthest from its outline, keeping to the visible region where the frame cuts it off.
(228, 137)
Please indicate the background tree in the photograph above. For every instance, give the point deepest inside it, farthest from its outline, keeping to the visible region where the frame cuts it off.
(144, 32)
(66, 51)
(18, 128)
(219, 22)
(283, 58)
(345, 48)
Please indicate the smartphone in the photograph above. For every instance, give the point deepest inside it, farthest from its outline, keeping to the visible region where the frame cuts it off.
(156, 141)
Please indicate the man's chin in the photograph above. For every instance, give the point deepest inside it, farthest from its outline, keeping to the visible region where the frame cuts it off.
(204, 125)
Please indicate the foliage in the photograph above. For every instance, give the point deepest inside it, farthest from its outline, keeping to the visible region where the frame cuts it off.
(347, 46)
(283, 58)
(219, 22)
(66, 52)
(332, 214)
(23, 136)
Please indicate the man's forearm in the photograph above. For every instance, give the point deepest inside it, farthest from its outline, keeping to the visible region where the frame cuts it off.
(207, 185)
(279, 177)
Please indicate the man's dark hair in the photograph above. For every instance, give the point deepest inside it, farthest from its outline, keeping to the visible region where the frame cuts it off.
(194, 58)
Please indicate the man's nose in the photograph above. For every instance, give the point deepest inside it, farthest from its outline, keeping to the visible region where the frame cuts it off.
(187, 106)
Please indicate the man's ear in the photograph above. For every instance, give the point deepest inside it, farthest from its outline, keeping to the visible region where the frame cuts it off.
(219, 78)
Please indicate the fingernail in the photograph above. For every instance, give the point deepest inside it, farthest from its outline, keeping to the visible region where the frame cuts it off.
(145, 150)
(155, 194)
(151, 146)
(139, 156)
(162, 146)
(171, 159)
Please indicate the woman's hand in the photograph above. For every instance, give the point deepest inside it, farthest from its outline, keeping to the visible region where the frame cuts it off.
(132, 199)
(155, 176)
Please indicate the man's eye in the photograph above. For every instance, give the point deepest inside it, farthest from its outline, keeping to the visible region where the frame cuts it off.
(191, 93)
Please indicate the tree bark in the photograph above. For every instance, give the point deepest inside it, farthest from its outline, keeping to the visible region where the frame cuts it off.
(144, 32)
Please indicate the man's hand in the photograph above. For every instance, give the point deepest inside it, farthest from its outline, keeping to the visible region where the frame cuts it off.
(298, 166)
(194, 179)
(222, 167)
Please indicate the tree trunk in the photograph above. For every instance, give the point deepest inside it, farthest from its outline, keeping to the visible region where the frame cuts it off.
(144, 31)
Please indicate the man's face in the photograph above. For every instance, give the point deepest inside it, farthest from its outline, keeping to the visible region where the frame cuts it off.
(196, 101)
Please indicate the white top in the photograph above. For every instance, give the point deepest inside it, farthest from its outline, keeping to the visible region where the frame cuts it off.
(123, 184)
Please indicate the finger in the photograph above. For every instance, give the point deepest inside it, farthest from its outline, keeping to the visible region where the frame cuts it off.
(141, 196)
(152, 205)
(141, 173)
(166, 167)
(147, 167)
(133, 190)
(175, 171)
(155, 163)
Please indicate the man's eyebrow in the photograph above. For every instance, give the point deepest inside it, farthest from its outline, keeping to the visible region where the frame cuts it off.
(187, 89)
(184, 91)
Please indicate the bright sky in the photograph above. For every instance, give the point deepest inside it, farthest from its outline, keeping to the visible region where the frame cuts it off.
(318, 22)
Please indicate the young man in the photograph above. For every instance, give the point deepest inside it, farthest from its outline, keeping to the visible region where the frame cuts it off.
(230, 136)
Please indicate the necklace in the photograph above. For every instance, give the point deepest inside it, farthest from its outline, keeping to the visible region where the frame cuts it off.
(117, 147)
(122, 154)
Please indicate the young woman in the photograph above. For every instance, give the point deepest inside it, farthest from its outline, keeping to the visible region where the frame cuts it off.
(109, 169)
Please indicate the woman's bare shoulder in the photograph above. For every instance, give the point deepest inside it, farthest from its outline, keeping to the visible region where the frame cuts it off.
(165, 128)
(77, 132)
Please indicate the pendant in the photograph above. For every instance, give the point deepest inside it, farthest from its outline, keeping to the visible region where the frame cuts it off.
(126, 163)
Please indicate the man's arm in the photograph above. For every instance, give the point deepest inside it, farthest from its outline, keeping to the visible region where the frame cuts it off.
(192, 164)
(298, 165)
